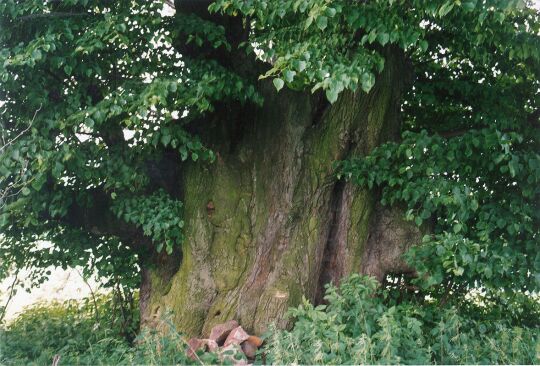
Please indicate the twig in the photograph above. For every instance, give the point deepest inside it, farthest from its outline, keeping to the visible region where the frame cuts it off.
(11, 290)
(10, 142)
(55, 360)
(96, 310)
(53, 15)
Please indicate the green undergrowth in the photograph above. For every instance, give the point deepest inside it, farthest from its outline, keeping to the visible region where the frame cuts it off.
(359, 324)
(79, 331)
(90, 333)
(362, 324)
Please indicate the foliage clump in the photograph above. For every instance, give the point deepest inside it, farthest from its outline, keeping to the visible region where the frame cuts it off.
(361, 324)
(75, 330)
(479, 193)
(91, 333)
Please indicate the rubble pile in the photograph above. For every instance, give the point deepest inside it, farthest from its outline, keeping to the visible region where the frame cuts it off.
(227, 340)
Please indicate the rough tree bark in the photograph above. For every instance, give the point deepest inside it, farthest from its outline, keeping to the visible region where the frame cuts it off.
(268, 222)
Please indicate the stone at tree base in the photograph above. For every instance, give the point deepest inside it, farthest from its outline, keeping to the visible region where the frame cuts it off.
(220, 332)
(249, 349)
(237, 336)
(234, 339)
(211, 345)
(194, 344)
(254, 340)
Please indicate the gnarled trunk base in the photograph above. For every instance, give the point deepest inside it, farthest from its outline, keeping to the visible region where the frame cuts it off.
(268, 222)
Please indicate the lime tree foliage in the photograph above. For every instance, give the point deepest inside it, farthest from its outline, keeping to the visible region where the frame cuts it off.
(468, 163)
(103, 104)
(77, 78)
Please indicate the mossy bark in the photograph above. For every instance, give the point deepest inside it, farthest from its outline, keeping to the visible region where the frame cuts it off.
(268, 222)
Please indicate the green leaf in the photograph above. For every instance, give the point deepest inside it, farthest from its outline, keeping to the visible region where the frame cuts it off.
(331, 95)
(330, 12)
(4, 220)
(367, 80)
(89, 122)
(36, 55)
(440, 250)
(289, 75)
(38, 182)
(383, 38)
(57, 170)
(469, 6)
(322, 22)
(165, 139)
(278, 83)
(372, 36)
(446, 8)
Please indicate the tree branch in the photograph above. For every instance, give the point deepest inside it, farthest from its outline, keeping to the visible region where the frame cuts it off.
(100, 221)
(52, 15)
(10, 142)
(11, 293)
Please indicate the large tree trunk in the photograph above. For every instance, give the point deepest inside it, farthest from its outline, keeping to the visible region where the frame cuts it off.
(268, 222)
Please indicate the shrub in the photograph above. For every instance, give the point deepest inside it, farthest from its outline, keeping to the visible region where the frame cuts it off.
(88, 333)
(359, 325)
(65, 328)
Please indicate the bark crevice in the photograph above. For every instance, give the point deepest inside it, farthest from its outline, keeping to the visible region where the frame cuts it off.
(330, 260)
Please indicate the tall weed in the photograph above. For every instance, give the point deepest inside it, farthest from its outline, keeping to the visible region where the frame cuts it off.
(357, 326)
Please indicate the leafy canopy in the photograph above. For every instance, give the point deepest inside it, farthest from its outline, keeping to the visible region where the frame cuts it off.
(102, 101)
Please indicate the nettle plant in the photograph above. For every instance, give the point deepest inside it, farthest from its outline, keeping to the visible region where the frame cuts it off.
(140, 132)
(359, 325)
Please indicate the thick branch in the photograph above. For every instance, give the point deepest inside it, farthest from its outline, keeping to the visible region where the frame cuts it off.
(100, 221)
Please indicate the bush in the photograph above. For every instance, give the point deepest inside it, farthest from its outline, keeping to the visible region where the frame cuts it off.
(82, 333)
(360, 326)
(67, 328)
